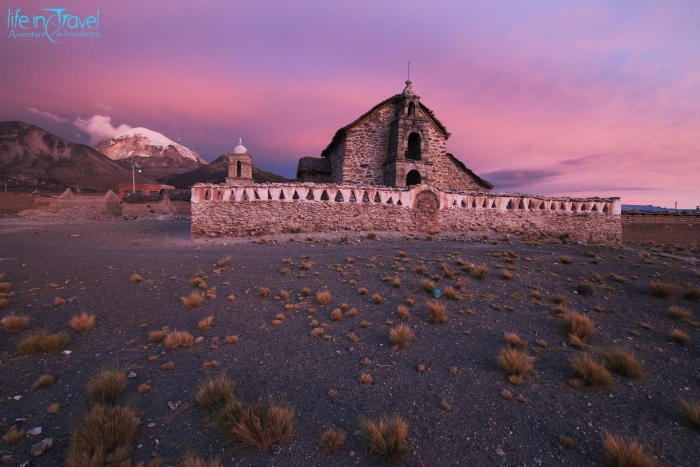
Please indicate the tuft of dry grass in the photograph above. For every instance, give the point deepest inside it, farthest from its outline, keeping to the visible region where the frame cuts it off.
(168, 366)
(622, 362)
(662, 290)
(396, 283)
(306, 291)
(323, 297)
(351, 337)
(387, 436)
(336, 314)
(53, 409)
(136, 279)
(194, 300)
(82, 322)
(13, 435)
(507, 275)
(362, 291)
(566, 260)
(205, 323)
(222, 263)
(515, 341)
(558, 299)
(193, 460)
(107, 387)
(481, 272)
(231, 340)
(156, 336)
(427, 285)
(506, 394)
(691, 410)
(365, 378)
(679, 313)
(437, 312)
(260, 425)
(693, 294)
(679, 337)
(566, 441)
(44, 381)
(591, 372)
(377, 299)
(43, 341)
(103, 436)
(215, 393)
(264, 292)
(15, 323)
(5, 286)
(331, 440)
(400, 336)
(371, 235)
(181, 339)
(514, 361)
(58, 301)
(402, 310)
(624, 453)
(542, 343)
(144, 388)
(450, 293)
(578, 325)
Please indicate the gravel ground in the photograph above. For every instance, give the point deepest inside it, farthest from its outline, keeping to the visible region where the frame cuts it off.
(93, 261)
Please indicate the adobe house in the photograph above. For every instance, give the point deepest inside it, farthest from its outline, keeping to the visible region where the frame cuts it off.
(397, 143)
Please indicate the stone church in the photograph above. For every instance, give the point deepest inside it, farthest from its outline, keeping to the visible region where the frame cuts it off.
(397, 143)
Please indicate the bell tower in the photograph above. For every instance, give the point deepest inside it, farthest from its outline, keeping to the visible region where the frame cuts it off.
(240, 166)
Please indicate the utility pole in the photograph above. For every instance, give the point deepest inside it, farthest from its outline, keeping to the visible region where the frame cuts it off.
(133, 180)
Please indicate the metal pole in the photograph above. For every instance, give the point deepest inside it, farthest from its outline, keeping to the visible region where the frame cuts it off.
(133, 180)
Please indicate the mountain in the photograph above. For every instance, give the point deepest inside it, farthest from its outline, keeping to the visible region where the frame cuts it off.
(153, 153)
(216, 172)
(31, 156)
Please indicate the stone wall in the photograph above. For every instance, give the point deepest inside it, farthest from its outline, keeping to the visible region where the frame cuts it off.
(108, 203)
(681, 229)
(366, 148)
(223, 210)
(12, 203)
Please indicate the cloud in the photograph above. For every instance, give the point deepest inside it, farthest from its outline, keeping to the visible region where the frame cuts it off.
(102, 107)
(100, 128)
(47, 115)
(510, 179)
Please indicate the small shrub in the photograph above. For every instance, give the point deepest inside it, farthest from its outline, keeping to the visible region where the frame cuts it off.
(205, 323)
(566, 260)
(324, 297)
(168, 366)
(450, 293)
(591, 372)
(622, 362)
(351, 337)
(679, 313)
(222, 263)
(194, 300)
(44, 381)
(264, 292)
(559, 299)
(331, 440)
(428, 285)
(537, 295)
(371, 235)
(585, 289)
(43, 341)
(156, 336)
(679, 337)
(104, 433)
(693, 294)
(107, 387)
(437, 312)
(400, 336)
(13, 435)
(579, 325)
(623, 453)
(481, 272)
(402, 311)
(15, 323)
(136, 279)
(215, 393)
(362, 291)
(352, 312)
(506, 394)
(336, 315)
(515, 341)
(514, 361)
(396, 283)
(364, 325)
(377, 299)
(420, 270)
(691, 410)
(192, 460)
(662, 290)
(58, 301)
(306, 291)
(365, 378)
(181, 339)
(387, 436)
(507, 275)
(144, 388)
(82, 322)
(231, 340)
(260, 425)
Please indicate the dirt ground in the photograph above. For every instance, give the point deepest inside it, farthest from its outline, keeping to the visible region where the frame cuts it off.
(93, 261)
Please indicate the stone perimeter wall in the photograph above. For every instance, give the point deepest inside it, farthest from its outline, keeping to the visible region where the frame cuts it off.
(661, 228)
(266, 209)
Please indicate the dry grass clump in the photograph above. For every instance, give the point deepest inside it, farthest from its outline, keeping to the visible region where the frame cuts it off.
(103, 436)
(181, 339)
(679, 313)
(44, 381)
(365, 378)
(591, 372)
(231, 340)
(5, 286)
(377, 299)
(53, 409)
(15, 323)
(585, 289)
(264, 292)
(507, 275)
(82, 322)
(662, 290)
(4, 301)
(400, 336)
(427, 285)
(371, 235)
(331, 440)
(558, 299)
(194, 300)
(402, 310)
(679, 337)
(450, 293)
(168, 366)
(193, 460)
(396, 283)
(13, 435)
(362, 291)
(351, 313)
(136, 279)
(693, 294)
(222, 263)
(566, 260)
(107, 387)
(387, 436)
(420, 270)
(260, 425)
(58, 301)
(515, 341)
(43, 341)
(515, 362)
(306, 291)
(205, 323)
(437, 312)
(622, 362)
(691, 410)
(144, 388)
(481, 272)
(336, 314)
(623, 453)
(156, 336)
(324, 297)
(215, 394)
(578, 325)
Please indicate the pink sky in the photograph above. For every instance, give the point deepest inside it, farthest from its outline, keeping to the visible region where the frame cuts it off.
(548, 97)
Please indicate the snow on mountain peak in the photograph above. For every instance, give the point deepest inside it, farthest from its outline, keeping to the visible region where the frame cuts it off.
(150, 138)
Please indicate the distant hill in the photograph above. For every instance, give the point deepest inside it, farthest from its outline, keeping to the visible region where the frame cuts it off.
(31, 156)
(216, 172)
(150, 151)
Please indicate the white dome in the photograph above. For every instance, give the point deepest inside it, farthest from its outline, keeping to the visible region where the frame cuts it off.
(240, 149)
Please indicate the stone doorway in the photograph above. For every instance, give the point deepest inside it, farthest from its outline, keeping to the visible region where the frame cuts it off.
(427, 212)
(413, 178)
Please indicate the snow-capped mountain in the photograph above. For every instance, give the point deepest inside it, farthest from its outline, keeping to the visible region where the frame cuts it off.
(150, 151)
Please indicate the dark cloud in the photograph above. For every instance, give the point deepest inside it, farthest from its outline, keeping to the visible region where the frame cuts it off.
(510, 179)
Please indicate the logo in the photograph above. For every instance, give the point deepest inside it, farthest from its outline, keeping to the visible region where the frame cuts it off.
(53, 25)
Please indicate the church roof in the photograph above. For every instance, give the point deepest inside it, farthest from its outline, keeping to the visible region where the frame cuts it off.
(338, 137)
(464, 168)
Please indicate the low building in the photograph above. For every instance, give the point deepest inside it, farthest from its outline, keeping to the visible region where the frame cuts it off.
(147, 189)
